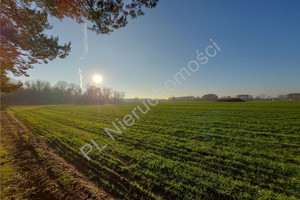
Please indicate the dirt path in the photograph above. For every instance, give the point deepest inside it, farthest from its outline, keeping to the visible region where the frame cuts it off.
(30, 169)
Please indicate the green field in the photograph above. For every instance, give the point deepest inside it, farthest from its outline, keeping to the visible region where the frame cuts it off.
(196, 150)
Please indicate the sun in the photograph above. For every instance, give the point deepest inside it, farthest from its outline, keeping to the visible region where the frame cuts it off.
(97, 78)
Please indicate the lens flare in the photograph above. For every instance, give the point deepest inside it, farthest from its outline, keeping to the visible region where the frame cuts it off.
(97, 78)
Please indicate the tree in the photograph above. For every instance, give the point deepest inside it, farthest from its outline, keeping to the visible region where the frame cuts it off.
(23, 25)
(282, 97)
(23, 42)
(209, 97)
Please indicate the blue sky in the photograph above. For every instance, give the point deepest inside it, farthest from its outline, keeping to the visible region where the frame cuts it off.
(260, 42)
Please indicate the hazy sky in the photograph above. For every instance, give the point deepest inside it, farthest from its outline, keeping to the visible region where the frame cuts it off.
(259, 41)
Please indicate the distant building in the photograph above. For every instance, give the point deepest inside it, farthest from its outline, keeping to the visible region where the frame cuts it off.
(245, 97)
(294, 96)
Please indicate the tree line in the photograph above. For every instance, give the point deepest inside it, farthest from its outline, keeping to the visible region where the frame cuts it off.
(41, 92)
(237, 98)
(207, 97)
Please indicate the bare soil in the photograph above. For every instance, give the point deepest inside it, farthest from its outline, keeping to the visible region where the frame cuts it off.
(38, 172)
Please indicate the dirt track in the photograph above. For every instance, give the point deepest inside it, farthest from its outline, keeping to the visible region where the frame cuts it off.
(38, 171)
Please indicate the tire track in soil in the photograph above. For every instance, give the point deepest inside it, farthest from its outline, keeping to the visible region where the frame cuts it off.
(46, 175)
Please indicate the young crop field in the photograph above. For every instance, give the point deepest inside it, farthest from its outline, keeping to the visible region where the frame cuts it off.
(194, 150)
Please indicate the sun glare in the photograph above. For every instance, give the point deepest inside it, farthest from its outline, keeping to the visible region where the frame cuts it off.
(97, 78)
